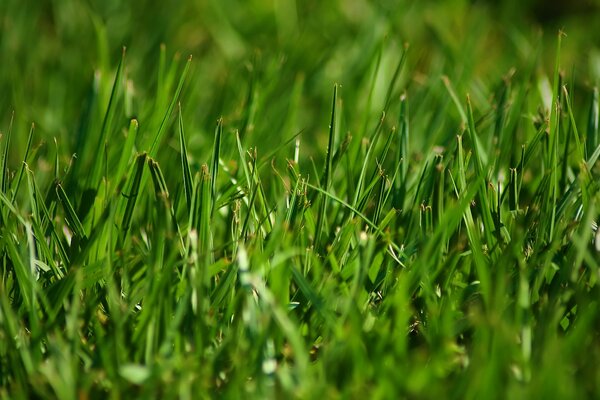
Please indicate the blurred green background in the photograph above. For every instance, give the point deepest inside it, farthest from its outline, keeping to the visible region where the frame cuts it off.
(282, 56)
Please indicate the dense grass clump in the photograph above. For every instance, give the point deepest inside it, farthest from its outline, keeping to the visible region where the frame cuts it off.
(343, 201)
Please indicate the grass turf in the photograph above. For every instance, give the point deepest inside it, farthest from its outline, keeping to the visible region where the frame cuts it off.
(307, 207)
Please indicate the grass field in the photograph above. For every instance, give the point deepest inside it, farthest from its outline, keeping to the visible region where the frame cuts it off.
(281, 199)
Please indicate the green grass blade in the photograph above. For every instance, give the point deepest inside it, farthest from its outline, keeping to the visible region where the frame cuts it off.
(134, 189)
(402, 155)
(11, 207)
(162, 194)
(127, 151)
(580, 151)
(480, 172)
(593, 126)
(201, 215)
(370, 223)
(551, 200)
(215, 163)
(41, 216)
(71, 216)
(107, 123)
(327, 171)
(23, 165)
(395, 76)
(4, 165)
(23, 274)
(164, 123)
(185, 166)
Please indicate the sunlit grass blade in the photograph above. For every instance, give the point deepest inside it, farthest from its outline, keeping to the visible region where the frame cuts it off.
(327, 172)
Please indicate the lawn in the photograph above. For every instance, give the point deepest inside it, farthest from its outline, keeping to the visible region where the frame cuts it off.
(299, 199)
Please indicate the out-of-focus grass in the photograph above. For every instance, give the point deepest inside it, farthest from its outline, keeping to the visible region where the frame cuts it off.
(235, 45)
(222, 224)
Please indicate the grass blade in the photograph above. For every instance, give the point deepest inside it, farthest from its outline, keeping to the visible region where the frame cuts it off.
(107, 124)
(201, 215)
(185, 166)
(593, 127)
(127, 151)
(24, 164)
(327, 172)
(480, 172)
(163, 125)
(71, 216)
(134, 188)
(215, 163)
(4, 164)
